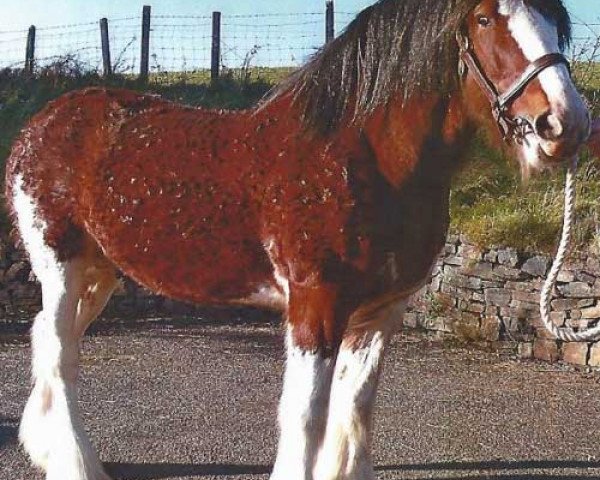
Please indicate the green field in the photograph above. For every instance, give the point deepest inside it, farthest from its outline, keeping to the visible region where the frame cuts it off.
(489, 202)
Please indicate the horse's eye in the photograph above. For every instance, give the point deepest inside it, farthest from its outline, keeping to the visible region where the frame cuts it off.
(483, 21)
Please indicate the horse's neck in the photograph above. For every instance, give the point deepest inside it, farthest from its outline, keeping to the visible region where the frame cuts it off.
(424, 130)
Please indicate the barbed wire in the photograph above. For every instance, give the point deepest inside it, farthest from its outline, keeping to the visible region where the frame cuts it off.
(183, 42)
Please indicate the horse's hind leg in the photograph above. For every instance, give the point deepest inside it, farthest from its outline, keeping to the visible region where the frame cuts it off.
(73, 293)
(51, 430)
(346, 450)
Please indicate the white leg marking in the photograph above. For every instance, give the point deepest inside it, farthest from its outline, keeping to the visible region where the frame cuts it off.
(346, 450)
(302, 412)
(51, 430)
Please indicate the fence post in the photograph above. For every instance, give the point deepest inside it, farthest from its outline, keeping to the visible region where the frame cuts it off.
(329, 21)
(145, 54)
(106, 63)
(215, 55)
(30, 50)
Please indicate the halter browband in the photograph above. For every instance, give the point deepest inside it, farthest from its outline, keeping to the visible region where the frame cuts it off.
(512, 129)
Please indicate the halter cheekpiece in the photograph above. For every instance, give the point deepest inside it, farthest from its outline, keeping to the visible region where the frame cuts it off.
(512, 128)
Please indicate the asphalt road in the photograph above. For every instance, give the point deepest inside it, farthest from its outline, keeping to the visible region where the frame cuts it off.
(168, 400)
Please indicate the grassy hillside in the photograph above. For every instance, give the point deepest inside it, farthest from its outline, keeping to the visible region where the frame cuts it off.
(489, 203)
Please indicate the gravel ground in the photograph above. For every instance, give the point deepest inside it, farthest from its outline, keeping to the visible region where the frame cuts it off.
(174, 400)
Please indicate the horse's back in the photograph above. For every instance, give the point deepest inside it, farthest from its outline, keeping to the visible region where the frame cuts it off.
(164, 190)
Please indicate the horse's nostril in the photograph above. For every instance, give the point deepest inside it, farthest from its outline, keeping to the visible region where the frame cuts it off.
(548, 127)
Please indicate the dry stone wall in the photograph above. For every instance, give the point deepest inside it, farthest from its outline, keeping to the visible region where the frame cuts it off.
(482, 295)
(493, 294)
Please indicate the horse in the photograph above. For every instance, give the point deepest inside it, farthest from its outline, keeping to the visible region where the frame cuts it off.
(328, 202)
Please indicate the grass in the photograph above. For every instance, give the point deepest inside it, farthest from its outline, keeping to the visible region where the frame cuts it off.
(489, 203)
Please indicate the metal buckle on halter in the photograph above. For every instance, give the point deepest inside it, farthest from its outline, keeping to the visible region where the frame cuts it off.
(499, 113)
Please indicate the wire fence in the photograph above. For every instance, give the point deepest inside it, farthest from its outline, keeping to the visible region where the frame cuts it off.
(184, 43)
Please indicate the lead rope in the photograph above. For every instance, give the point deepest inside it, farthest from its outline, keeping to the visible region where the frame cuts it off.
(565, 334)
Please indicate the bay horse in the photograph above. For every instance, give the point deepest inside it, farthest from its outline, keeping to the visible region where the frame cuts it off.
(328, 202)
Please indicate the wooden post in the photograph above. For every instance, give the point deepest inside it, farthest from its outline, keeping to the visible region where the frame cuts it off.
(145, 55)
(329, 21)
(215, 55)
(30, 50)
(106, 63)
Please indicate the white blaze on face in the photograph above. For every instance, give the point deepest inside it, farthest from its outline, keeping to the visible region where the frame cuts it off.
(537, 36)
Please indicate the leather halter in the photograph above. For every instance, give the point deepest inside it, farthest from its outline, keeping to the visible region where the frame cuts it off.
(511, 128)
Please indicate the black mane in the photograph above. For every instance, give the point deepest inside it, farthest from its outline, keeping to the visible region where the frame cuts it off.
(392, 47)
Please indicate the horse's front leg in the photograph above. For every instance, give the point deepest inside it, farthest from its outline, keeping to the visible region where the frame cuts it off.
(307, 381)
(346, 449)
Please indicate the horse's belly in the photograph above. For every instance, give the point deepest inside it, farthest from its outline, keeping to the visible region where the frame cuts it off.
(200, 272)
(182, 254)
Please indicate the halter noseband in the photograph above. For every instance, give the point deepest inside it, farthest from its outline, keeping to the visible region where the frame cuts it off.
(511, 128)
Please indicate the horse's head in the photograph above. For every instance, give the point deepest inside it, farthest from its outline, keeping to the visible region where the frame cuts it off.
(511, 59)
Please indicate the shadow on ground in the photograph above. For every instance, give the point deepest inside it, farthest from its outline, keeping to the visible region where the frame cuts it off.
(8, 431)
(126, 471)
(18, 330)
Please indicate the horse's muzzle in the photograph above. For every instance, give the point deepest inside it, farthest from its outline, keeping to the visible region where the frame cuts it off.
(561, 136)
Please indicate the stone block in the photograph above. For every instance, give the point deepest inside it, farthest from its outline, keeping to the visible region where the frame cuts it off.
(439, 324)
(497, 296)
(453, 239)
(576, 290)
(546, 350)
(591, 312)
(508, 273)
(410, 320)
(508, 257)
(524, 306)
(449, 249)
(526, 297)
(490, 328)
(525, 350)
(594, 360)
(536, 266)
(578, 323)
(450, 270)
(565, 276)
(454, 260)
(558, 318)
(474, 307)
(470, 252)
(592, 265)
(467, 326)
(491, 256)
(492, 284)
(576, 353)
(461, 281)
(585, 277)
(562, 304)
(436, 283)
(518, 286)
(448, 289)
(542, 333)
(482, 270)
